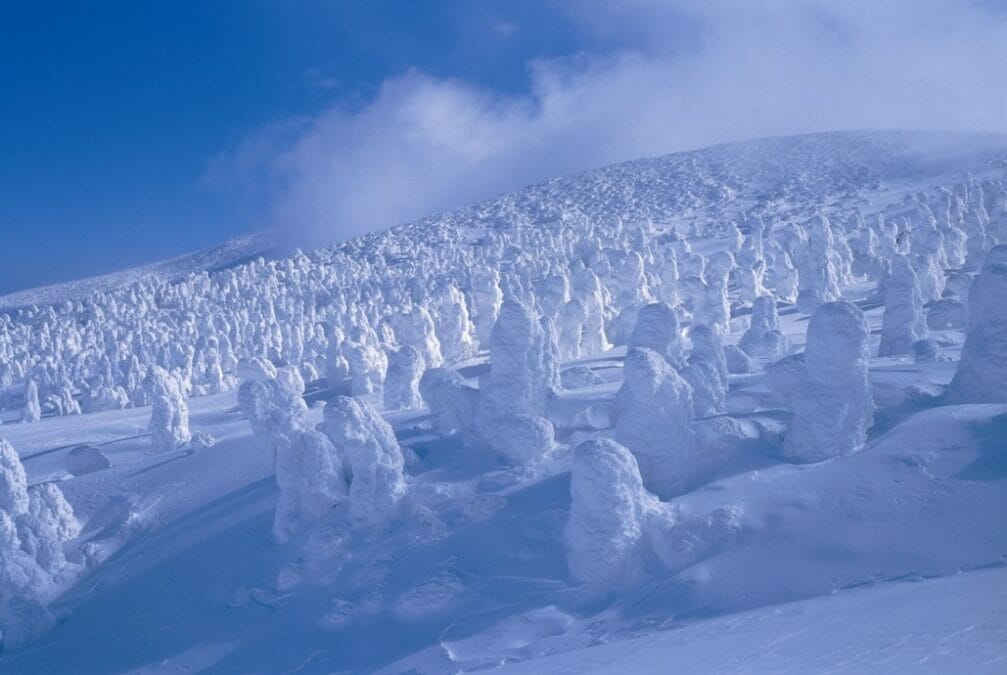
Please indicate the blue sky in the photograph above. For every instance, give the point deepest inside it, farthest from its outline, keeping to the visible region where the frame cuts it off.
(133, 131)
(112, 110)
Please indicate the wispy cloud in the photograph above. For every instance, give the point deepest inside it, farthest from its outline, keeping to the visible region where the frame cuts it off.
(741, 70)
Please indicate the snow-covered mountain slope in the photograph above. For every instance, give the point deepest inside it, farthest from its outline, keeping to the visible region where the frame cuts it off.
(226, 254)
(686, 412)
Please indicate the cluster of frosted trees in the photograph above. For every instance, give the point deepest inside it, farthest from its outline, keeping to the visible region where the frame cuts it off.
(384, 320)
(35, 522)
(671, 308)
(347, 315)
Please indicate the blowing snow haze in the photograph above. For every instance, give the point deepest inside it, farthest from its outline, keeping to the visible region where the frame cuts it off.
(200, 122)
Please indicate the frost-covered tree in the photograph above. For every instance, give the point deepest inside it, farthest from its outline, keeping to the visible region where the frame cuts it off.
(706, 371)
(657, 328)
(35, 523)
(763, 339)
(609, 510)
(451, 401)
(653, 419)
(169, 415)
(32, 408)
(903, 322)
(830, 393)
(570, 328)
(375, 460)
(981, 376)
(402, 381)
(454, 328)
(518, 385)
(311, 477)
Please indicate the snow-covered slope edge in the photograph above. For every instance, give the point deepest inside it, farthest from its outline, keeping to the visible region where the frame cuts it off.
(234, 251)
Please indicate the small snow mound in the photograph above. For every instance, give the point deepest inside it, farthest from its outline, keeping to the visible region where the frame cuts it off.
(85, 459)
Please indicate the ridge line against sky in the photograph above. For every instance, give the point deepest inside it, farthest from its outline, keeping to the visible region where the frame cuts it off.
(145, 130)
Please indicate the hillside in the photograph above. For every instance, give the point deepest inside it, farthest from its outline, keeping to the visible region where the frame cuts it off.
(741, 407)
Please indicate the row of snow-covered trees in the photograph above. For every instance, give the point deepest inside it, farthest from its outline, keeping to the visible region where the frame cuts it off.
(383, 303)
(648, 452)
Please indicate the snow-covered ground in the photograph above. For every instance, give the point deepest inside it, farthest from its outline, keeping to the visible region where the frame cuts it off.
(838, 511)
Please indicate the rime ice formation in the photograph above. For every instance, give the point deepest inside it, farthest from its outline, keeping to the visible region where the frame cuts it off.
(486, 300)
(653, 419)
(310, 473)
(35, 523)
(617, 532)
(522, 297)
(903, 322)
(311, 477)
(521, 373)
(609, 514)
(402, 381)
(169, 415)
(738, 362)
(657, 329)
(454, 327)
(451, 401)
(32, 408)
(416, 327)
(981, 376)
(523, 439)
(814, 251)
(587, 288)
(831, 398)
(375, 460)
(706, 371)
(763, 338)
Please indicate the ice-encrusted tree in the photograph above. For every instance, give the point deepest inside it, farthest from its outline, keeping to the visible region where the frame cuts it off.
(368, 444)
(35, 523)
(587, 289)
(706, 371)
(570, 328)
(312, 479)
(653, 419)
(169, 415)
(981, 376)
(401, 389)
(609, 513)
(903, 322)
(830, 393)
(451, 401)
(518, 386)
(454, 327)
(813, 251)
(763, 337)
(32, 408)
(657, 328)
(310, 472)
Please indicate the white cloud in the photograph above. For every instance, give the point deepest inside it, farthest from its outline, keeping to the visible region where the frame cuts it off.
(743, 70)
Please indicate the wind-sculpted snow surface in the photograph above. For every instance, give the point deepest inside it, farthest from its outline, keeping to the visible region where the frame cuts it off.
(539, 422)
